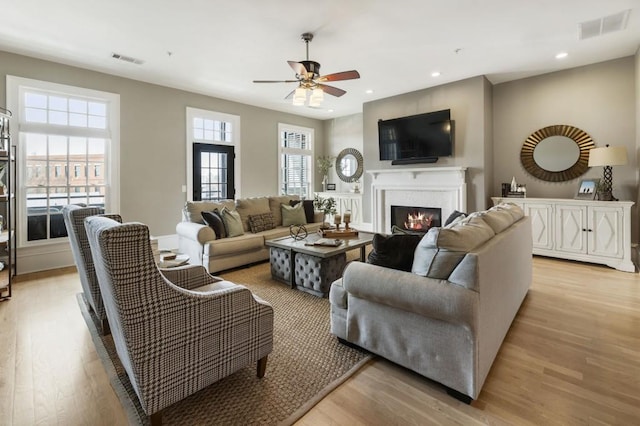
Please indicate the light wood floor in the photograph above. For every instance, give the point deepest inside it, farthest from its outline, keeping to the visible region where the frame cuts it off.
(572, 357)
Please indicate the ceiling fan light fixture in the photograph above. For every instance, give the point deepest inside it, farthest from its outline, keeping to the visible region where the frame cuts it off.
(317, 96)
(300, 96)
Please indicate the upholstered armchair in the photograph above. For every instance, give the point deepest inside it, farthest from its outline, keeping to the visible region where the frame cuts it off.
(178, 331)
(74, 217)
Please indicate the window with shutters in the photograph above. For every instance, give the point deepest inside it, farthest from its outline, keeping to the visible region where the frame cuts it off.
(295, 160)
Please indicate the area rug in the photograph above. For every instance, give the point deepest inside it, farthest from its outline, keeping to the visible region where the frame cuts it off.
(307, 363)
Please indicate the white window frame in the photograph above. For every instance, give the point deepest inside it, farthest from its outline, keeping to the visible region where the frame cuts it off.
(193, 113)
(16, 86)
(284, 127)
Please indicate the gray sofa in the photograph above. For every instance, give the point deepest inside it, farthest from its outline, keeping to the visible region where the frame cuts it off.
(447, 318)
(199, 241)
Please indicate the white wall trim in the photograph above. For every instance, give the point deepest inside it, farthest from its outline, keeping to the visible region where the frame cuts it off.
(190, 140)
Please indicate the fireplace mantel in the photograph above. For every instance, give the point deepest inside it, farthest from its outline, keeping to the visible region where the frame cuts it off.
(415, 173)
(442, 187)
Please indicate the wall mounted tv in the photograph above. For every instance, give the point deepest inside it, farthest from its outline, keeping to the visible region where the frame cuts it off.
(418, 138)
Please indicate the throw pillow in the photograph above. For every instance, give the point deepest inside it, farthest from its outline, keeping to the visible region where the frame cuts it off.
(394, 251)
(395, 229)
(453, 216)
(261, 222)
(309, 209)
(214, 220)
(232, 222)
(293, 215)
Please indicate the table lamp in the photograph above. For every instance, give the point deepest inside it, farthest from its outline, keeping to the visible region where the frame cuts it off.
(608, 156)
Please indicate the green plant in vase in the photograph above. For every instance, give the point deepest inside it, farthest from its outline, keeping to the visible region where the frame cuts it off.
(325, 163)
(326, 206)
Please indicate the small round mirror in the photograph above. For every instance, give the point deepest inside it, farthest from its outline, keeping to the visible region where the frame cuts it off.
(556, 153)
(349, 165)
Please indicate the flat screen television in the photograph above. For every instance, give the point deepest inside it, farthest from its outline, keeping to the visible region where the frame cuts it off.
(418, 138)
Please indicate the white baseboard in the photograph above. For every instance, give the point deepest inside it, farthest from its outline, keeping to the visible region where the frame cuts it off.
(58, 255)
(42, 258)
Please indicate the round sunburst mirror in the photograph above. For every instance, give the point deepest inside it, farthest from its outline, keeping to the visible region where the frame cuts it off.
(557, 153)
(349, 165)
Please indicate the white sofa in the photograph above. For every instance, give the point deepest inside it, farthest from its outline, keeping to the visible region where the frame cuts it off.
(447, 323)
(199, 241)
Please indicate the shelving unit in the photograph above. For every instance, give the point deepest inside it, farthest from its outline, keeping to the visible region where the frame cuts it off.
(7, 206)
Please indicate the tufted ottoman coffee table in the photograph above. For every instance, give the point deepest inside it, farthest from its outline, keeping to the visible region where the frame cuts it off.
(312, 268)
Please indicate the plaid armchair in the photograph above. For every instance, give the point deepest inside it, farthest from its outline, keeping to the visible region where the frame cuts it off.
(173, 338)
(74, 217)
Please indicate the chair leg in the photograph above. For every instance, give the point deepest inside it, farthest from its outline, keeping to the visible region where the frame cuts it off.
(156, 419)
(262, 366)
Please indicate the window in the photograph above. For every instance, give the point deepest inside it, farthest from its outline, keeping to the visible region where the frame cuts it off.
(96, 170)
(63, 130)
(295, 160)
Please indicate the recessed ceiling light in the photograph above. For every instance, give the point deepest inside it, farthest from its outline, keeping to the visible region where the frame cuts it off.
(329, 110)
(562, 55)
(368, 91)
(435, 74)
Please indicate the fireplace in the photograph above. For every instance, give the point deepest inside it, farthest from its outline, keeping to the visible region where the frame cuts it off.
(441, 187)
(415, 218)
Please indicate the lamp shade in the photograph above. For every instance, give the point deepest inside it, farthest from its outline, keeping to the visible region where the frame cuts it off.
(608, 156)
(299, 96)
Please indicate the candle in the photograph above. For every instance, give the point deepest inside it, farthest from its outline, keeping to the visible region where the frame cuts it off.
(347, 216)
(337, 219)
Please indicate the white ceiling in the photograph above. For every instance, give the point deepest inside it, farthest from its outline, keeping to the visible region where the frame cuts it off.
(219, 47)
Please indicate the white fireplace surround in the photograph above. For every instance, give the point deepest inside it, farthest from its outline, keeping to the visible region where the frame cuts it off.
(442, 187)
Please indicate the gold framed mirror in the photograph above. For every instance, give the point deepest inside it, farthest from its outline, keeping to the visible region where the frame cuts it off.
(557, 153)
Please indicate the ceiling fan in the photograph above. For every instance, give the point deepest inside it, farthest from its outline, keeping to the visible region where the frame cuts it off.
(309, 79)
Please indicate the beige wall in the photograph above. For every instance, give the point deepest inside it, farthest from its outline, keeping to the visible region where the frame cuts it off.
(153, 163)
(343, 132)
(599, 99)
(467, 100)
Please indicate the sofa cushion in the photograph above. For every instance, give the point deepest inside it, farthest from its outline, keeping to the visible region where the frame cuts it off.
(309, 209)
(192, 211)
(394, 251)
(441, 249)
(251, 206)
(274, 206)
(214, 220)
(232, 222)
(293, 215)
(234, 246)
(261, 222)
(498, 220)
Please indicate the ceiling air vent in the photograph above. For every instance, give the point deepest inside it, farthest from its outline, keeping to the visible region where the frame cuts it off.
(127, 59)
(602, 26)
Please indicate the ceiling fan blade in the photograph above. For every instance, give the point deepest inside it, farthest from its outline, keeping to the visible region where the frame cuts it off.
(275, 81)
(297, 67)
(344, 75)
(332, 90)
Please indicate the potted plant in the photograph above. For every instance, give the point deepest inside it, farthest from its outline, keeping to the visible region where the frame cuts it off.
(325, 162)
(326, 206)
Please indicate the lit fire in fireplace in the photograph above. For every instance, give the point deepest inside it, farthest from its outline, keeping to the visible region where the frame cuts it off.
(418, 221)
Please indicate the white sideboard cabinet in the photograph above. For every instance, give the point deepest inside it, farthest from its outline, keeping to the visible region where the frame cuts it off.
(588, 231)
(347, 201)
